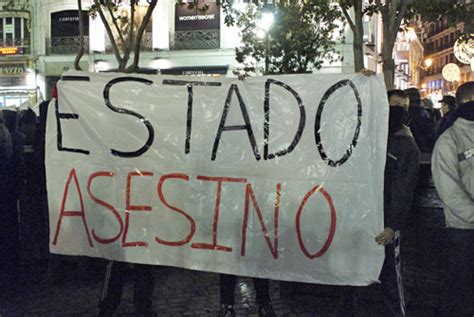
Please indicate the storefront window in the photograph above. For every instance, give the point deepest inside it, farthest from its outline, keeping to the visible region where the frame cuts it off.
(195, 29)
(13, 101)
(64, 32)
(14, 33)
(17, 80)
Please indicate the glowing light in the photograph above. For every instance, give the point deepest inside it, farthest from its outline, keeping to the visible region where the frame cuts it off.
(266, 21)
(31, 79)
(410, 34)
(8, 50)
(451, 72)
(260, 33)
(239, 6)
(464, 50)
(428, 62)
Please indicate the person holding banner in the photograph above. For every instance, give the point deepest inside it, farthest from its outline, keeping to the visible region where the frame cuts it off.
(115, 275)
(401, 172)
(453, 174)
(262, 292)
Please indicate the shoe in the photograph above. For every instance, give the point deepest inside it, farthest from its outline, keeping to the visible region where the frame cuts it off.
(227, 311)
(266, 310)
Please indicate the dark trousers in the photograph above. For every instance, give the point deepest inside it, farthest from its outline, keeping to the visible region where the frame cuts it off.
(10, 237)
(391, 278)
(227, 285)
(458, 292)
(391, 284)
(115, 275)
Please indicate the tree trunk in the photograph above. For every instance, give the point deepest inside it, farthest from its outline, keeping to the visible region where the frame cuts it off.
(358, 44)
(81, 38)
(357, 29)
(387, 55)
(141, 30)
(118, 57)
(392, 16)
(122, 65)
(129, 45)
(388, 71)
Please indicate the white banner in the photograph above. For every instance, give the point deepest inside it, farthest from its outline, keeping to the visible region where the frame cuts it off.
(277, 177)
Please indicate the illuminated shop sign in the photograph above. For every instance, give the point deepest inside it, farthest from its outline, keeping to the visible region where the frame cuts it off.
(188, 19)
(9, 50)
(11, 70)
(66, 23)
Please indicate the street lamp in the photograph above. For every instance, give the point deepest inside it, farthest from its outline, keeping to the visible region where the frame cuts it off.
(425, 67)
(266, 21)
(428, 62)
(264, 25)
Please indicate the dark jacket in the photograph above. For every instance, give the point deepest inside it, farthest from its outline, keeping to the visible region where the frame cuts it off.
(423, 128)
(18, 138)
(5, 144)
(5, 155)
(28, 123)
(15, 166)
(446, 122)
(401, 172)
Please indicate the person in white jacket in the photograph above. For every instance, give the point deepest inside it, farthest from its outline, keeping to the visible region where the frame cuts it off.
(453, 175)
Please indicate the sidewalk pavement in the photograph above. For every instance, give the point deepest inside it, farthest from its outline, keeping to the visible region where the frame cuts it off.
(74, 286)
(178, 292)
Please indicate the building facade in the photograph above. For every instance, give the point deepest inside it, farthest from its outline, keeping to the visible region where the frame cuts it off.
(408, 56)
(39, 40)
(17, 78)
(439, 40)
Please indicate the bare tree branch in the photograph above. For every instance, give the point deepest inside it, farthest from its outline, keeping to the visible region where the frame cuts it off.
(380, 6)
(348, 18)
(128, 46)
(141, 30)
(114, 21)
(401, 13)
(132, 22)
(118, 57)
(392, 7)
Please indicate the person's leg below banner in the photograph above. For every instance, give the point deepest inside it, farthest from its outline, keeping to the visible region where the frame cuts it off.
(391, 278)
(348, 301)
(227, 288)
(262, 294)
(460, 273)
(113, 285)
(11, 242)
(143, 289)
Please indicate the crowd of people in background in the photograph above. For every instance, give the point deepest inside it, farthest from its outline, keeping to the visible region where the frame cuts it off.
(24, 226)
(415, 125)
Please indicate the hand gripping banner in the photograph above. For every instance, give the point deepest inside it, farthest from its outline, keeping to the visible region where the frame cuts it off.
(276, 177)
